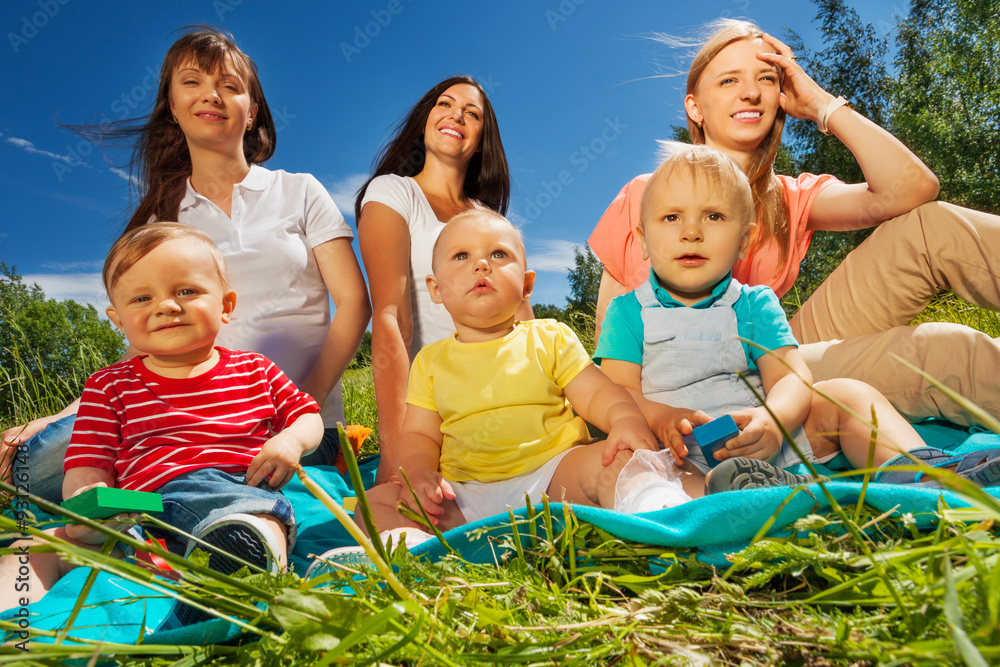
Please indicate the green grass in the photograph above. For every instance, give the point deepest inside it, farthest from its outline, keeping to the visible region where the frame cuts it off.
(848, 588)
(949, 308)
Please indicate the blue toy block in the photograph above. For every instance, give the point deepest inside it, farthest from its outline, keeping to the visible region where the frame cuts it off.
(712, 436)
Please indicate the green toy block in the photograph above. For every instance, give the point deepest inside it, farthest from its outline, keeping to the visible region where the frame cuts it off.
(102, 502)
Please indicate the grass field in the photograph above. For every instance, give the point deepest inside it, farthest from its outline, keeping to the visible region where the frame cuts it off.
(850, 588)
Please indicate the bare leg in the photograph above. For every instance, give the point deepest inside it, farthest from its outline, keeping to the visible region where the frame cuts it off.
(581, 477)
(830, 428)
(280, 532)
(39, 571)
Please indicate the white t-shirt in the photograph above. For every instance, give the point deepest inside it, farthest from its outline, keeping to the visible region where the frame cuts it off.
(431, 322)
(282, 304)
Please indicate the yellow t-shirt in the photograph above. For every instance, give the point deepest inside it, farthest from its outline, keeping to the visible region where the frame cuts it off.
(501, 402)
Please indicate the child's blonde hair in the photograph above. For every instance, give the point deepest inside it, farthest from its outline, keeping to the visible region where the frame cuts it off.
(136, 244)
(721, 171)
(484, 213)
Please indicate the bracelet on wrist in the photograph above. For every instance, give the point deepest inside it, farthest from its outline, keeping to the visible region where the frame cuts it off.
(825, 111)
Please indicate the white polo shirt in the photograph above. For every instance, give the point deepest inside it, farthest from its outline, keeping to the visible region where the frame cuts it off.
(282, 304)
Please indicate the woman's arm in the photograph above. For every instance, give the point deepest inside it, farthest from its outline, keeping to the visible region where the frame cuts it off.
(384, 239)
(342, 276)
(896, 180)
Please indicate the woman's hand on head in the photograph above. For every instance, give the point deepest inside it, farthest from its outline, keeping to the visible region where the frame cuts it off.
(801, 97)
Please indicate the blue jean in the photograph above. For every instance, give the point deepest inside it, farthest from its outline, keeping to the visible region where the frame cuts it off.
(46, 452)
(193, 500)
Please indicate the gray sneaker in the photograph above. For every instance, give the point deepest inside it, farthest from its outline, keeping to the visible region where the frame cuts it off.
(742, 473)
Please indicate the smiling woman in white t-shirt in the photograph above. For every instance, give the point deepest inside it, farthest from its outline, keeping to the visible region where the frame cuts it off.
(446, 157)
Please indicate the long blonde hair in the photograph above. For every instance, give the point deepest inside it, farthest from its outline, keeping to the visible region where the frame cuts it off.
(768, 195)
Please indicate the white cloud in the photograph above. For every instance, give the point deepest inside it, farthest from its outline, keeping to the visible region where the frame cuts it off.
(345, 190)
(80, 266)
(30, 147)
(83, 288)
(124, 174)
(552, 255)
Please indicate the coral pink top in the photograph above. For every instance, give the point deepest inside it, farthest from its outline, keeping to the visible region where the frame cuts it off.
(616, 245)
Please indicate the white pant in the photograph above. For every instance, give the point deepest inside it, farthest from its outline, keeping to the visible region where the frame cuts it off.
(478, 500)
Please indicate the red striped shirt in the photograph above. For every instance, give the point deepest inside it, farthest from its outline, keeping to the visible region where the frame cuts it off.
(149, 429)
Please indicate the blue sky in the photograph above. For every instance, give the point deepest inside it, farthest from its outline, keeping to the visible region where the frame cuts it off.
(573, 83)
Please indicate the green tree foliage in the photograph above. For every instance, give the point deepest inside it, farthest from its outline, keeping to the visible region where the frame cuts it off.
(584, 281)
(363, 357)
(947, 103)
(581, 305)
(43, 340)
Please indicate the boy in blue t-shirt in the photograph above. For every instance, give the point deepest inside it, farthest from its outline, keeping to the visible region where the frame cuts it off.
(676, 341)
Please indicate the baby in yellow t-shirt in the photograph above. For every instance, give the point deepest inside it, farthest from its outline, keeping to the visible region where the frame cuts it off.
(490, 410)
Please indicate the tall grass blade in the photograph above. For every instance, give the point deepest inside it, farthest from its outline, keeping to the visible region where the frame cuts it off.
(953, 613)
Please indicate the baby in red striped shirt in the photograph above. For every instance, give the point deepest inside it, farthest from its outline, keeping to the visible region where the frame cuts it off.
(217, 432)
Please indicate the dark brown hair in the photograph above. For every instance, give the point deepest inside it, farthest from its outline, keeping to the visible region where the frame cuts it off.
(487, 179)
(160, 163)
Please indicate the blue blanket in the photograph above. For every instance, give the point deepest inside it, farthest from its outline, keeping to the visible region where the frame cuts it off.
(714, 526)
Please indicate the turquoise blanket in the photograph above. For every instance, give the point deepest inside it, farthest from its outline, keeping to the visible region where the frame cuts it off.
(715, 526)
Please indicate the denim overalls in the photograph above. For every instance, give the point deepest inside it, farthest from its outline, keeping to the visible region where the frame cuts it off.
(691, 358)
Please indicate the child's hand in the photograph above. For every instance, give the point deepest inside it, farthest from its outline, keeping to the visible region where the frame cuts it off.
(672, 424)
(431, 489)
(629, 433)
(88, 535)
(759, 438)
(275, 461)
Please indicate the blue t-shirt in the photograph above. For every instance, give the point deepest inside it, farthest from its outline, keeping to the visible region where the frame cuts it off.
(759, 318)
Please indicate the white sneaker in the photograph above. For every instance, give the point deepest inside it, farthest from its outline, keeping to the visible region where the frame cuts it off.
(351, 557)
(241, 535)
(411, 537)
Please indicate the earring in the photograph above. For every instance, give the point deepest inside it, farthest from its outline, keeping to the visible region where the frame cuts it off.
(698, 124)
(173, 119)
(249, 124)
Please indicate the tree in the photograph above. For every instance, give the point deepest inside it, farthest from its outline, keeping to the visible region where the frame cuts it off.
(948, 98)
(47, 345)
(584, 281)
(363, 357)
